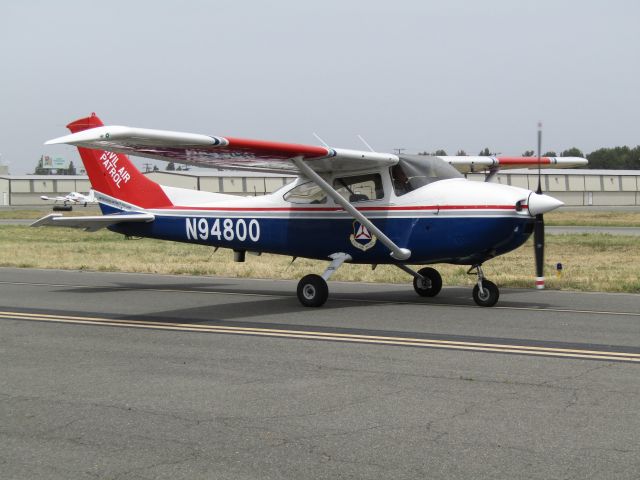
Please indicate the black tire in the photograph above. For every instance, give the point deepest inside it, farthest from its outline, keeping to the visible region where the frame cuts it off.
(432, 284)
(491, 294)
(312, 291)
(62, 208)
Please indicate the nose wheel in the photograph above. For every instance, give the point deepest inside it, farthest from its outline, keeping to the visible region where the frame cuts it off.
(485, 293)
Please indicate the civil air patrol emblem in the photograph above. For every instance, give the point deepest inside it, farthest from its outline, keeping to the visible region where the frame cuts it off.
(361, 238)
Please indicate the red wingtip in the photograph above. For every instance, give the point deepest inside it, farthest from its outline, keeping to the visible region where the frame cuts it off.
(85, 123)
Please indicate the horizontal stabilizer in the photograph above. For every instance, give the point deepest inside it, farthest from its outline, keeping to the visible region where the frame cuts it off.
(91, 224)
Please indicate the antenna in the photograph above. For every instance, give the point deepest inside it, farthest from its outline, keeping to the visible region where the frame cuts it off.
(365, 142)
(320, 140)
(539, 191)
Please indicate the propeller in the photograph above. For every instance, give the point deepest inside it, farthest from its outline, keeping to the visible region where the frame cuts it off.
(538, 226)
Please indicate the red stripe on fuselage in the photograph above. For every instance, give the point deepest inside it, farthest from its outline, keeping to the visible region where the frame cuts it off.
(338, 209)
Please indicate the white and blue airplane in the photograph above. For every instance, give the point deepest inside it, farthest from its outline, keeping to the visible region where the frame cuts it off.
(348, 206)
(75, 198)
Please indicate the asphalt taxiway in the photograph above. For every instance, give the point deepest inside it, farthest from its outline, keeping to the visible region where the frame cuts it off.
(141, 376)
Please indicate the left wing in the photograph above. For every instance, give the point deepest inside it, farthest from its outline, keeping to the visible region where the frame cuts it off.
(470, 164)
(223, 152)
(91, 224)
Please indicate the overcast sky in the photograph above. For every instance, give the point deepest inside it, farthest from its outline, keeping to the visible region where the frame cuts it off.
(421, 75)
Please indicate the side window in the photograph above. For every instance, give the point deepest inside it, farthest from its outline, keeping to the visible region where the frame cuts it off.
(308, 193)
(360, 188)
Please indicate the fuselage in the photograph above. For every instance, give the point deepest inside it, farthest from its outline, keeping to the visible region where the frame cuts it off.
(451, 220)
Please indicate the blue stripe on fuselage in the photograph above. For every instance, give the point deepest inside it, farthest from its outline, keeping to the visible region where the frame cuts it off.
(461, 240)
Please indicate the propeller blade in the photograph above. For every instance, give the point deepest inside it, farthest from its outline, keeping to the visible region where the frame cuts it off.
(538, 245)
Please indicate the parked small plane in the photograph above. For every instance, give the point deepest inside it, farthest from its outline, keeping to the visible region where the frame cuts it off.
(345, 205)
(73, 197)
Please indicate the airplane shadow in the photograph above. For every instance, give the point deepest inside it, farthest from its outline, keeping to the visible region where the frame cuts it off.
(282, 303)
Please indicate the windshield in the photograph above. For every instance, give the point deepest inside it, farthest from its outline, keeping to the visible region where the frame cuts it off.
(415, 171)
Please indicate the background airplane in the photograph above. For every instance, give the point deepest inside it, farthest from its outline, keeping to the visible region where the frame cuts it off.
(73, 198)
(345, 206)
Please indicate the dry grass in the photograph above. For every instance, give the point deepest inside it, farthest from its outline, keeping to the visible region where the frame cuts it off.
(594, 218)
(591, 262)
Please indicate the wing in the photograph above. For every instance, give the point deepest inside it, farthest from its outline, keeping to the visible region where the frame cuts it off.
(478, 164)
(91, 224)
(222, 152)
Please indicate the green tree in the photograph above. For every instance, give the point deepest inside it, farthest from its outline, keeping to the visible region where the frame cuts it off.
(485, 153)
(461, 153)
(171, 166)
(440, 153)
(572, 152)
(528, 153)
(71, 170)
(618, 158)
(39, 168)
(550, 153)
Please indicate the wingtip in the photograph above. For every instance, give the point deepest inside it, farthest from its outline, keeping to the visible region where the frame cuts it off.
(54, 141)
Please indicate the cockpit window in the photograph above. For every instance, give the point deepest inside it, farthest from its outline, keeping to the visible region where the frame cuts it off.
(308, 192)
(415, 171)
(360, 188)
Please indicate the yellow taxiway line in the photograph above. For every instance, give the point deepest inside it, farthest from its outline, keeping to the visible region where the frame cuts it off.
(330, 336)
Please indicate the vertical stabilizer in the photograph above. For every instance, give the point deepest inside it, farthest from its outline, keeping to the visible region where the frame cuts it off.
(113, 174)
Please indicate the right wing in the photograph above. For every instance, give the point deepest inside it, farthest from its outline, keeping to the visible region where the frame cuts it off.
(91, 224)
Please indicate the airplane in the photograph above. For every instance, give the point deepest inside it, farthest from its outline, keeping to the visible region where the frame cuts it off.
(73, 197)
(345, 206)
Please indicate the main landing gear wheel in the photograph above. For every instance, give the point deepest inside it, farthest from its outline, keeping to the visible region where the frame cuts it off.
(430, 285)
(313, 291)
(489, 295)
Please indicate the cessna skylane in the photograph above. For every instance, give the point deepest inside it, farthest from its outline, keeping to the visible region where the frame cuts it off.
(349, 206)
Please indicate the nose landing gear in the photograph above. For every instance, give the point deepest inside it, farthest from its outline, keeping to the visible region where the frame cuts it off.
(485, 293)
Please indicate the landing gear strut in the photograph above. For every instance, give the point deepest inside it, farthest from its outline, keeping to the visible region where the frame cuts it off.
(313, 290)
(485, 293)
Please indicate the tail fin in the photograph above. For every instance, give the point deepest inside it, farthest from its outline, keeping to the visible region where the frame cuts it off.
(113, 174)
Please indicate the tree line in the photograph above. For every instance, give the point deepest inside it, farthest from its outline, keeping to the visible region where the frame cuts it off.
(616, 158)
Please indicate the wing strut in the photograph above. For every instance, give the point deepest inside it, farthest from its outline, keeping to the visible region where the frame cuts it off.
(396, 252)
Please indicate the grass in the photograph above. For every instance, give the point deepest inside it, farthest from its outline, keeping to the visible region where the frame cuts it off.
(593, 218)
(592, 262)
